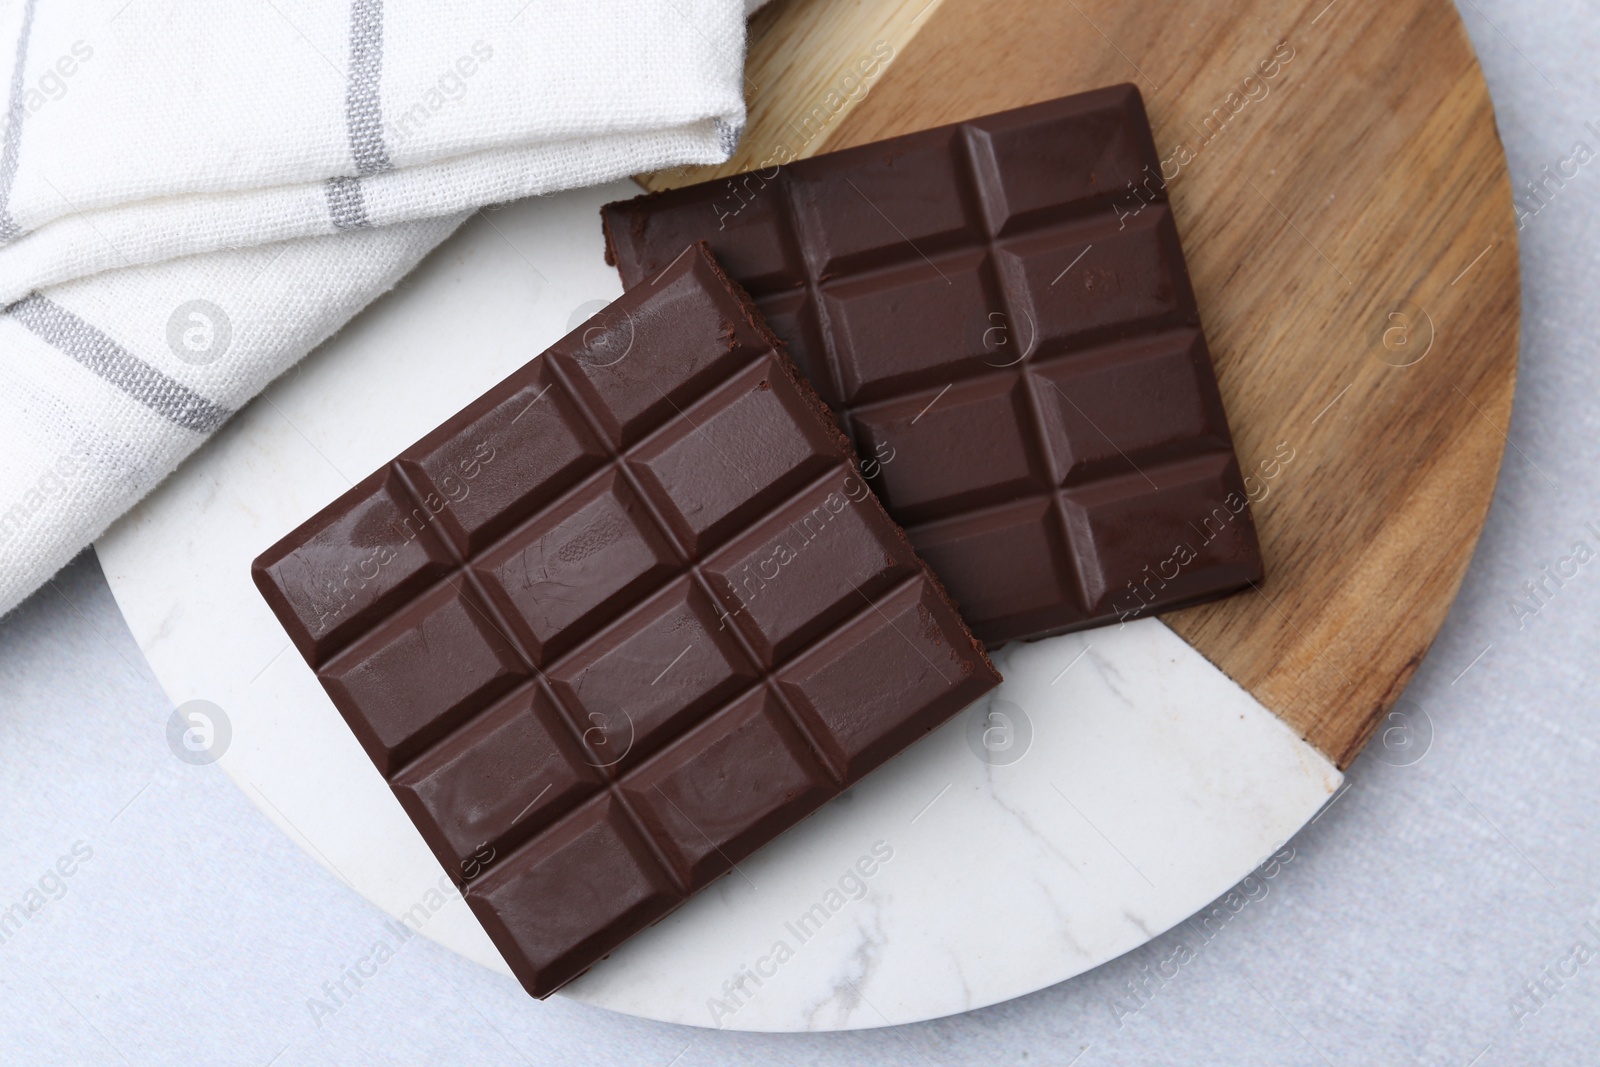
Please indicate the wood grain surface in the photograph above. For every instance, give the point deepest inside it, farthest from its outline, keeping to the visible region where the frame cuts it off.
(1344, 204)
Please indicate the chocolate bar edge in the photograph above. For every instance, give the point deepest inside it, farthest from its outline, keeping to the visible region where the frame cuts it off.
(804, 387)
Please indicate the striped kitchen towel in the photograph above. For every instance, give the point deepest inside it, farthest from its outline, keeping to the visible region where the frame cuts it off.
(181, 179)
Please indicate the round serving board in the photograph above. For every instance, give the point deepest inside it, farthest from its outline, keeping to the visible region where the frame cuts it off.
(1346, 213)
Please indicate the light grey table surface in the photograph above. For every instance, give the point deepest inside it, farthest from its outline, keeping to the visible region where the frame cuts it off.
(1406, 929)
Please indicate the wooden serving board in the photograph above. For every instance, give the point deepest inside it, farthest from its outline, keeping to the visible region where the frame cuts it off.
(1344, 204)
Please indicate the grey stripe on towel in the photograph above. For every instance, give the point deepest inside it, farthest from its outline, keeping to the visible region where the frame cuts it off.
(93, 349)
(363, 107)
(346, 206)
(363, 110)
(9, 230)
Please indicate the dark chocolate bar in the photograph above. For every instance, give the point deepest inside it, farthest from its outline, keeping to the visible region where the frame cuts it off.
(999, 314)
(621, 621)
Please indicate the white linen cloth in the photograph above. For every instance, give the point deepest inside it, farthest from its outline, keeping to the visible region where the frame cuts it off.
(193, 195)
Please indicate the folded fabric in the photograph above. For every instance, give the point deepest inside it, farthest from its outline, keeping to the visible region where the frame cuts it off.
(182, 127)
(95, 409)
(192, 196)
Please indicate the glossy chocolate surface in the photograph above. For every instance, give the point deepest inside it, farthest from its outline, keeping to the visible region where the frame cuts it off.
(624, 619)
(998, 312)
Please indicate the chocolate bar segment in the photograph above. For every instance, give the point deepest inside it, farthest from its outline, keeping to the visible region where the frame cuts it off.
(999, 314)
(621, 621)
